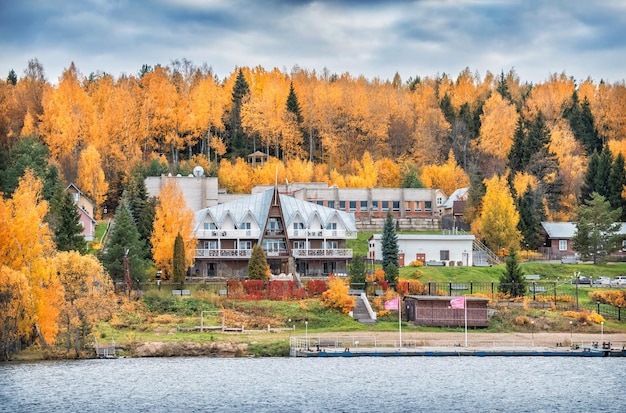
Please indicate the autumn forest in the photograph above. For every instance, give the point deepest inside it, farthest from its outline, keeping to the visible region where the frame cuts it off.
(536, 151)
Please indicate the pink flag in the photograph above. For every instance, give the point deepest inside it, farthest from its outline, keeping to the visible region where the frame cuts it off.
(393, 304)
(458, 302)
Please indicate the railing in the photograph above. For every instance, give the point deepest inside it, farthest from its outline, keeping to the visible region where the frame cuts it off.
(321, 233)
(228, 233)
(317, 253)
(223, 253)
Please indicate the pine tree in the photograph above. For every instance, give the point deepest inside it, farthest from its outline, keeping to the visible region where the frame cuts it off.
(292, 104)
(513, 281)
(532, 212)
(391, 273)
(517, 156)
(124, 239)
(257, 266)
(357, 270)
(597, 229)
(67, 227)
(12, 78)
(179, 268)
(617, 183)
(389, 243)
(240, 90)
(582, 123)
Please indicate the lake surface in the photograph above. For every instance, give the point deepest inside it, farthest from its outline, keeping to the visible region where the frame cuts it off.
(386, 384)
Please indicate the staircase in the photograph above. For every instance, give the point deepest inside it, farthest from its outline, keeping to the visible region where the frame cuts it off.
(360, 312)
(483, 254)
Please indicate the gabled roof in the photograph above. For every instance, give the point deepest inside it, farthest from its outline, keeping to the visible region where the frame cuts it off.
(258, 205)
(81, 193)
(566, 230)
(428, 237)
(457, 195)
(559, 230)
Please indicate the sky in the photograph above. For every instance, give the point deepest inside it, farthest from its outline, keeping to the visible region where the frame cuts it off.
(375, 39)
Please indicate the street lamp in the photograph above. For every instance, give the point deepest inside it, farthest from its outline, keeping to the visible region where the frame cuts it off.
(306, 332)
(571, 334)
(602, 331)
(532, 331)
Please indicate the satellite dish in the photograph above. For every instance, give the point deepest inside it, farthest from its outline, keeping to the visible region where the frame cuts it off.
(198, 171)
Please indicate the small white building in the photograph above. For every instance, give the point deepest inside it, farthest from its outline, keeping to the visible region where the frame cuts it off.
(431, 249)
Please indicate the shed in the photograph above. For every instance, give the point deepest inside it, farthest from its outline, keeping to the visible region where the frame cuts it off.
(432, 310)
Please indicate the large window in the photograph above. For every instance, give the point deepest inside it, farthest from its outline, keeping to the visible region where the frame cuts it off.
(331, 204)
(331, 245)
(407, 206)
(385, 207)
(562, 245)
(428, 206)
(396, 206)
(363, 206)
(210, 245)
(352, 206)
(375, 206)
(342, 205)
(439, 200)
(444, 255)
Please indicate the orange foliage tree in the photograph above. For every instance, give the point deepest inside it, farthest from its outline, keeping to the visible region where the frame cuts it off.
(448, 177)
(172, 216)
(337, 296)
(91, 177)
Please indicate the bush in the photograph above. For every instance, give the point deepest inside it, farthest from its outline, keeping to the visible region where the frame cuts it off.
(337, 296)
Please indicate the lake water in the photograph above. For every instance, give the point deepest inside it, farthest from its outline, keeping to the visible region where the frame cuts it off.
(386, 384)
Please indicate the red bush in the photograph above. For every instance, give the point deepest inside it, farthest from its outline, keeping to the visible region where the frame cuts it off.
(315, 288)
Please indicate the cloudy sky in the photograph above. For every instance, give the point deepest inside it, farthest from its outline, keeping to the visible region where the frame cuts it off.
(375, 39)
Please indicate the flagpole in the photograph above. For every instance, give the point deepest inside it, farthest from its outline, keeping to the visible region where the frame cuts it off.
(400, 319)
(465, 306)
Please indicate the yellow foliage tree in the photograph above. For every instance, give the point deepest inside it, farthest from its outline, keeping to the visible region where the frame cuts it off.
(448, 177)
(237, 177)
(91, 177)
(497, 127)
(89, 295)
(497, 223)
(388, 173)
(299, 170)
(15, 309)
(172, 216)
(337, 296)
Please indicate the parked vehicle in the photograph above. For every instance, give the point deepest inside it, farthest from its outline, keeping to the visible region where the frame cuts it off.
(602, 281)
(619, 281)
(581, 280)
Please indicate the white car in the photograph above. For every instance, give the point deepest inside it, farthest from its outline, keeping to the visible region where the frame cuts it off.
(619, 281)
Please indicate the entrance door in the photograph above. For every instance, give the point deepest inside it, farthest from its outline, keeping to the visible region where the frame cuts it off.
(420, 257)
(401, 259)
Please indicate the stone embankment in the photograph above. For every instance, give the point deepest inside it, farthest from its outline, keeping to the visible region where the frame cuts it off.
(187, 349)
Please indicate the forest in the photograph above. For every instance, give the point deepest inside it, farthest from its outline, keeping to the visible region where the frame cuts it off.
(529, 153)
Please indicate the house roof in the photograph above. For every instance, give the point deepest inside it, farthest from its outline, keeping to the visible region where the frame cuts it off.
(83, 212)
(258, 206)
(566, 230)
(445, 298)
(458, 195)
(81, 193)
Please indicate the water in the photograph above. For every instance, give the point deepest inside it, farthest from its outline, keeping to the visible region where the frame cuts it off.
(389, 384)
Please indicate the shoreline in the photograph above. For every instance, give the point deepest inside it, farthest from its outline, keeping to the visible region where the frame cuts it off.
(420, 340)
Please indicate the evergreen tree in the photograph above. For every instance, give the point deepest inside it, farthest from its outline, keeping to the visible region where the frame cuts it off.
(12, 78)
(124, 239)
(411, 179)
(589, 181)
(582, 124)
(179, 269)
(66, 223)
(240, 90)
(357, 270)
(532, 212)
(29, 152)
(391, 273)
(597, 175)
(597, 229)
(447, 109)
(389, 243)
(617, 183)
(502, 87)
(292, 104)
(512, 281)
(257, 266)
(517, 156)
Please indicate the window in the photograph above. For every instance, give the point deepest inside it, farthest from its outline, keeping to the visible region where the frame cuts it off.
(562, 245)
(210, 225)
(274, 226)
(331, 245)
(407, 206)
(439, 200)
(375, 206)
(444, 255)
(385, 207)
(320, 203)
(331, 204)
(299, 245)
(342, 205)
(352, 206)
(331, 225)
(428, 206)
(210, 245)
(624, 245)
(245, 245)
(418, 206)
(396, 206)
(363, 205)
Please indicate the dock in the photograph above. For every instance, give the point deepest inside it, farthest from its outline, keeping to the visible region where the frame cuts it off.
(311, 347)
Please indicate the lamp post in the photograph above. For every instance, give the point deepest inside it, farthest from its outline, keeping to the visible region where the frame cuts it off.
(571, 334)
(532, 331)
(306, 332)
(602, 331)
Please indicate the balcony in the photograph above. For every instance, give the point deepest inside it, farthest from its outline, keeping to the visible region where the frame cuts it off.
(320, 234)
(345, 253)
(223, 253)
(228, 233)
(278, 253)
